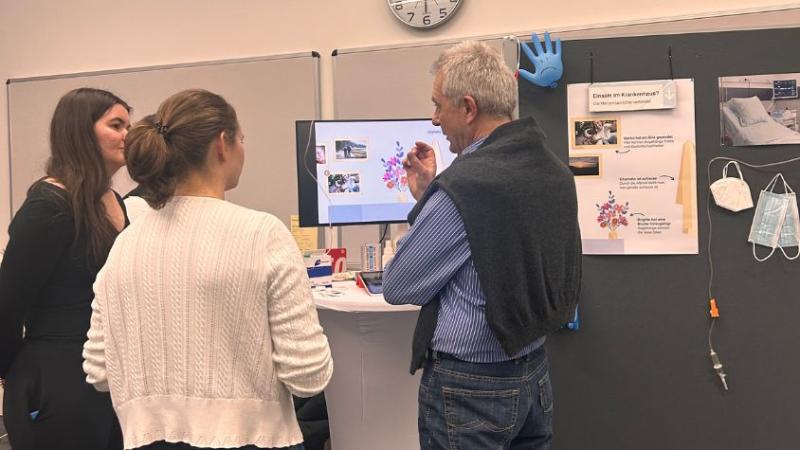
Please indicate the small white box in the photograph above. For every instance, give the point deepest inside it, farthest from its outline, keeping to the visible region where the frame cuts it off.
(318, 266)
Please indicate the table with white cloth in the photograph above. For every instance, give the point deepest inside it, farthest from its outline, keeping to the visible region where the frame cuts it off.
(372, 398)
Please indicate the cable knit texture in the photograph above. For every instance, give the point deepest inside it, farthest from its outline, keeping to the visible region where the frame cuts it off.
(202, 325)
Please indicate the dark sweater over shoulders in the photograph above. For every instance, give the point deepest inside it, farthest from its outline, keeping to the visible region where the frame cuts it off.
(519, 207)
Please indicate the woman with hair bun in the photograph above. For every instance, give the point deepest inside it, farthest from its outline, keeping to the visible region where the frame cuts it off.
(135, 205)
(204, 342)
(58, 240)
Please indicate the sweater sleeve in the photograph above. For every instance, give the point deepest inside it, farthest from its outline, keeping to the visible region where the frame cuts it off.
(39, 234)
(94, 349)
(300, 349)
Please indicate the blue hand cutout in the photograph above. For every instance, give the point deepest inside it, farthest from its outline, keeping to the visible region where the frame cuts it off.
(547, 62)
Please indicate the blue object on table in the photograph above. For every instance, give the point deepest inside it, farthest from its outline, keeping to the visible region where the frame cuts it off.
(575, 323)
(546, 61)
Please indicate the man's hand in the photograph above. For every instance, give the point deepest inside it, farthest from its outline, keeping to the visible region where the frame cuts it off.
(420, 165)
(546, 61)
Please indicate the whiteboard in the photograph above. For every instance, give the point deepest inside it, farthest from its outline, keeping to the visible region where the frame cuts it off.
(268, 93)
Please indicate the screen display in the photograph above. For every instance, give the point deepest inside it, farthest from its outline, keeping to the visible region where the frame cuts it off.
(784, 89)
(351, 172)
(373, 282)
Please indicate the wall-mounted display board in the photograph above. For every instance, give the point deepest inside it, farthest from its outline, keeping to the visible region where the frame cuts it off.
(269, 93)
(638, 373)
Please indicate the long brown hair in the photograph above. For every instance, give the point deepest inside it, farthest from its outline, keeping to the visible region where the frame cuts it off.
(76, 162)
(161, 152)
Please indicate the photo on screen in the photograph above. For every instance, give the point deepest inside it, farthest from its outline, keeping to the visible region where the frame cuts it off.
(351, 149)
(344, 183)
(588, 133)
(320, 154)
(369, 184)
(585, 165)
(759, 110)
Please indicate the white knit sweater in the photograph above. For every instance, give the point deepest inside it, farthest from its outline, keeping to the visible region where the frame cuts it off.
(202, 325)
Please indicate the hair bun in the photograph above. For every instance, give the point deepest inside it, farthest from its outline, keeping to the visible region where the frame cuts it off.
(147, 155)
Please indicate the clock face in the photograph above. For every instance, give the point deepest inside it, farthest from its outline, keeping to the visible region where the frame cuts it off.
(423, 13)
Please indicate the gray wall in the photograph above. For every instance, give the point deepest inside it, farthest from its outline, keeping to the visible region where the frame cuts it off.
(268, 93)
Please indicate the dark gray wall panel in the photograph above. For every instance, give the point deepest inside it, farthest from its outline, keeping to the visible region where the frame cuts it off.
(638, 374)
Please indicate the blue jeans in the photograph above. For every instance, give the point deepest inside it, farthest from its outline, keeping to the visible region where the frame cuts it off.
(471, 406)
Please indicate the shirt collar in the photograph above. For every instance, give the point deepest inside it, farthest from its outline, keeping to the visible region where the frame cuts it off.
(474, 146)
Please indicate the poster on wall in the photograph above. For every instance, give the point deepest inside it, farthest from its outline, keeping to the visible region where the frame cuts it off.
(635, 169)
(759, 109)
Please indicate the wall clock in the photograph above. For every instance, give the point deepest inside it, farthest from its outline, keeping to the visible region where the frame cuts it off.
(424, 14)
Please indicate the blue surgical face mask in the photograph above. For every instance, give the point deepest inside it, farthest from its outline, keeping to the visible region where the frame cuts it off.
(776, 221)
(790, 232)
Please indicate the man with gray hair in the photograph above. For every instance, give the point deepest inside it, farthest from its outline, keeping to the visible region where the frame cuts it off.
(493, 256)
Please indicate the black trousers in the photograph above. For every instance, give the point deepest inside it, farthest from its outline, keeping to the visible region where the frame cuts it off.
(312, 416)
(47, 376)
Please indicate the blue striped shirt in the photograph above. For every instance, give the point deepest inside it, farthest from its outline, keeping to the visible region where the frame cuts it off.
(434, 258)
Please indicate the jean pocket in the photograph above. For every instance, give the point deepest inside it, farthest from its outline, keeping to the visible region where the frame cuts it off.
(546, 394)
(489, 410)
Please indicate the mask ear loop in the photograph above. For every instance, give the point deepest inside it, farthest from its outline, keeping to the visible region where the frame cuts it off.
(773, 183)
(788, 190)
(725, 169)
(766, 257)
(790, 258)
(738, 169)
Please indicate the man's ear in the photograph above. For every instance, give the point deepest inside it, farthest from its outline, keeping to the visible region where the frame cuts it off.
(470, 108)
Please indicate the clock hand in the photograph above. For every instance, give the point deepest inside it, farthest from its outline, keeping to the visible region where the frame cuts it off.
(426, 6)
(404, 2)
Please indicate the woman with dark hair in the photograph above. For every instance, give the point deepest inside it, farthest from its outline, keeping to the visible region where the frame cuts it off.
(203, 344)
(58, 240)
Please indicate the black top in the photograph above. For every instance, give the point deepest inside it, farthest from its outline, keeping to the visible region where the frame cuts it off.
(520, 211)
(138, 191)
(46, 277)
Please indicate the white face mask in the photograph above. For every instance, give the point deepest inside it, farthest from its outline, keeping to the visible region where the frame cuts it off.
(732, 193)
(776, 223)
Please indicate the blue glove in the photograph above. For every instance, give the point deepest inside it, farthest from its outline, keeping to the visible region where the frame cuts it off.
(547, 63)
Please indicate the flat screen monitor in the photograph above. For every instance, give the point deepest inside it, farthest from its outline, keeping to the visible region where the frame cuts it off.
(351, 172)
(784, 89)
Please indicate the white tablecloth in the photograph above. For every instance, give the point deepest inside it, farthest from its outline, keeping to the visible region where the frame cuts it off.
(372, 398)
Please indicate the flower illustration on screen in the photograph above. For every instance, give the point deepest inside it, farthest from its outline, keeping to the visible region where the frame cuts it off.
(394, 175)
